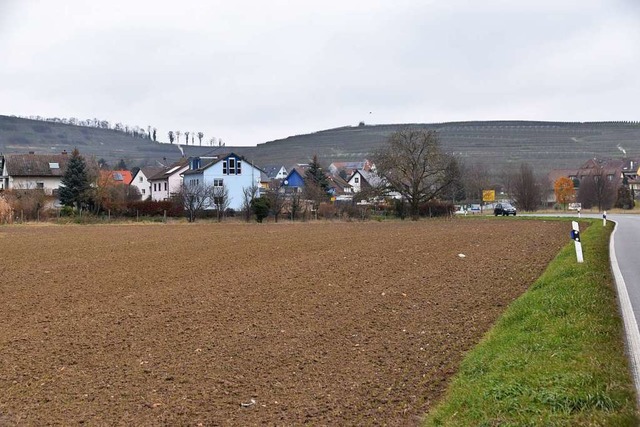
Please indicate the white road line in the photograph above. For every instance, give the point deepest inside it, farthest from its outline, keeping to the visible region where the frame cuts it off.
(630, 324)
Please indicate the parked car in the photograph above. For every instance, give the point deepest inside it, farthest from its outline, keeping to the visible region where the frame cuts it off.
(460, 210)
(504, 209)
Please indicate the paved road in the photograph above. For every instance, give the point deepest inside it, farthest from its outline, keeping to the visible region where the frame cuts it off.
(625, 264)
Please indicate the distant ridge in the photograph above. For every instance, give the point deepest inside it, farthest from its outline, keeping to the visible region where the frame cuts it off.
(499, 144)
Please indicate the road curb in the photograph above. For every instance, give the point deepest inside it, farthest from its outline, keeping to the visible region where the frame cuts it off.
(632, 334)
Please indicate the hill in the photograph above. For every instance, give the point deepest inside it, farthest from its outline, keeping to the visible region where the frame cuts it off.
(497, 144)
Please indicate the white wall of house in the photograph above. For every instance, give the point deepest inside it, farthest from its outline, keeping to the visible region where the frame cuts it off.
(141, 182)
(165, 187)
(356, 181)
(235, 182)
(46, 183)
(282, 173)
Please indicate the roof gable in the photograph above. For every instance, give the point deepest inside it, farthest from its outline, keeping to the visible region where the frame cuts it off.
(36, 164)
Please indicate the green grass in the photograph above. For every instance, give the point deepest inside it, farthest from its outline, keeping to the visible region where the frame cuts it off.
(555, 358)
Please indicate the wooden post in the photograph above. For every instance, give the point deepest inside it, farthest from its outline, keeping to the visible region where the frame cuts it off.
(165, 216)
(109, 214)
(137, 215)
(604, 218)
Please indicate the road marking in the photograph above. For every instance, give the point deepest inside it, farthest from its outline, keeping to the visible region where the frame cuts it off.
(630, 324)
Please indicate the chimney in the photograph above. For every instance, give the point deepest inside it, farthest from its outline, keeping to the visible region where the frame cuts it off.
(64, 152)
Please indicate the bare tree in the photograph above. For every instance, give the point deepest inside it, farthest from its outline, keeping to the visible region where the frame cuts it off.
(186, 138)
(295, 204)
(200, 136)
(596, 189)
(221, 200)
(171, 136)
(277, 199)
(476, 178)
(248, 194)
(178, 133)
(527, 191)
(195, 197)
(414, 165)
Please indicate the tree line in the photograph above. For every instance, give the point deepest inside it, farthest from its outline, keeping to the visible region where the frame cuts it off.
(144, 132)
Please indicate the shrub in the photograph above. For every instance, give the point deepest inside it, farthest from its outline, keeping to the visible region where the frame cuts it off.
(6, 213)
(327, 210)
(260, 208)
(155, 208)
(435, 208)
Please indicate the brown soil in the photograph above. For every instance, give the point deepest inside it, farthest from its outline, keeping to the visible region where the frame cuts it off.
(323, 323)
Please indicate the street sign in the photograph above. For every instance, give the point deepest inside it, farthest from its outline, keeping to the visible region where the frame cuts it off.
(488, 195)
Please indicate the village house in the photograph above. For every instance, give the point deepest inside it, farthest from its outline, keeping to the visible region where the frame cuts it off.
(168, 181)
(613, 170)
(141, 180)
(225, 170)
(33, 171)
(275, 172)
(348, 168)
(363, 179)
(294, 181)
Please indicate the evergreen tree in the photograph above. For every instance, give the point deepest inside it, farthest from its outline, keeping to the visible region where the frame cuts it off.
(316, 175)
(75, 182)
(121, 166)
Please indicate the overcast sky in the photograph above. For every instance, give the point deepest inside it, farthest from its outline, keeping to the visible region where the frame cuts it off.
(254, 71)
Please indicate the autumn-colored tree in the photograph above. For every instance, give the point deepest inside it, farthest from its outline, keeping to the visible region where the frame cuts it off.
(565, 191)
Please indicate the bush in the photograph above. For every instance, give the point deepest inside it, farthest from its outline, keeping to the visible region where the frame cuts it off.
(355, 212)
(260, 208)
(327, 210)
(6, 213)
(154, 208)
(67, 211)
(435, 208)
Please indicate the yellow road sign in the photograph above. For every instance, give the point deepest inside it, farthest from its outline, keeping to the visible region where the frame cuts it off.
(488, 195)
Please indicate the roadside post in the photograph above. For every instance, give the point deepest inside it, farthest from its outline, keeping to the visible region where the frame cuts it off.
(579, 211)
(575, 235)
(604, 218)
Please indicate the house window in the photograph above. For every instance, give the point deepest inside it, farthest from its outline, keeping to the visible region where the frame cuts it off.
(218, 182)
(610, 177)
(232, 166)
(165, 186)
(224, 167)
(143, 190)
(239, 168)
(154, 187)
(141, 179)
(356, 180)
(40, 185)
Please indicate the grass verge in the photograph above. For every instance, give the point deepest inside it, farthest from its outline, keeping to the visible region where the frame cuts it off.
(556, 357)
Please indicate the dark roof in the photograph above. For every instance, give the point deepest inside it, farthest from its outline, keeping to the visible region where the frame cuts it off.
(211, 162)
(168, 171)
(150, 171)
(272, 170)
(36, 164)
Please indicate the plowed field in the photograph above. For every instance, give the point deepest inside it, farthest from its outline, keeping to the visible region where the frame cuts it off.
(247, 324)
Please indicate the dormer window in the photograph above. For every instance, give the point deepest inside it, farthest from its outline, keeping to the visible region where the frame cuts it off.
(239, 168)
(224, 167)
(232, 166)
